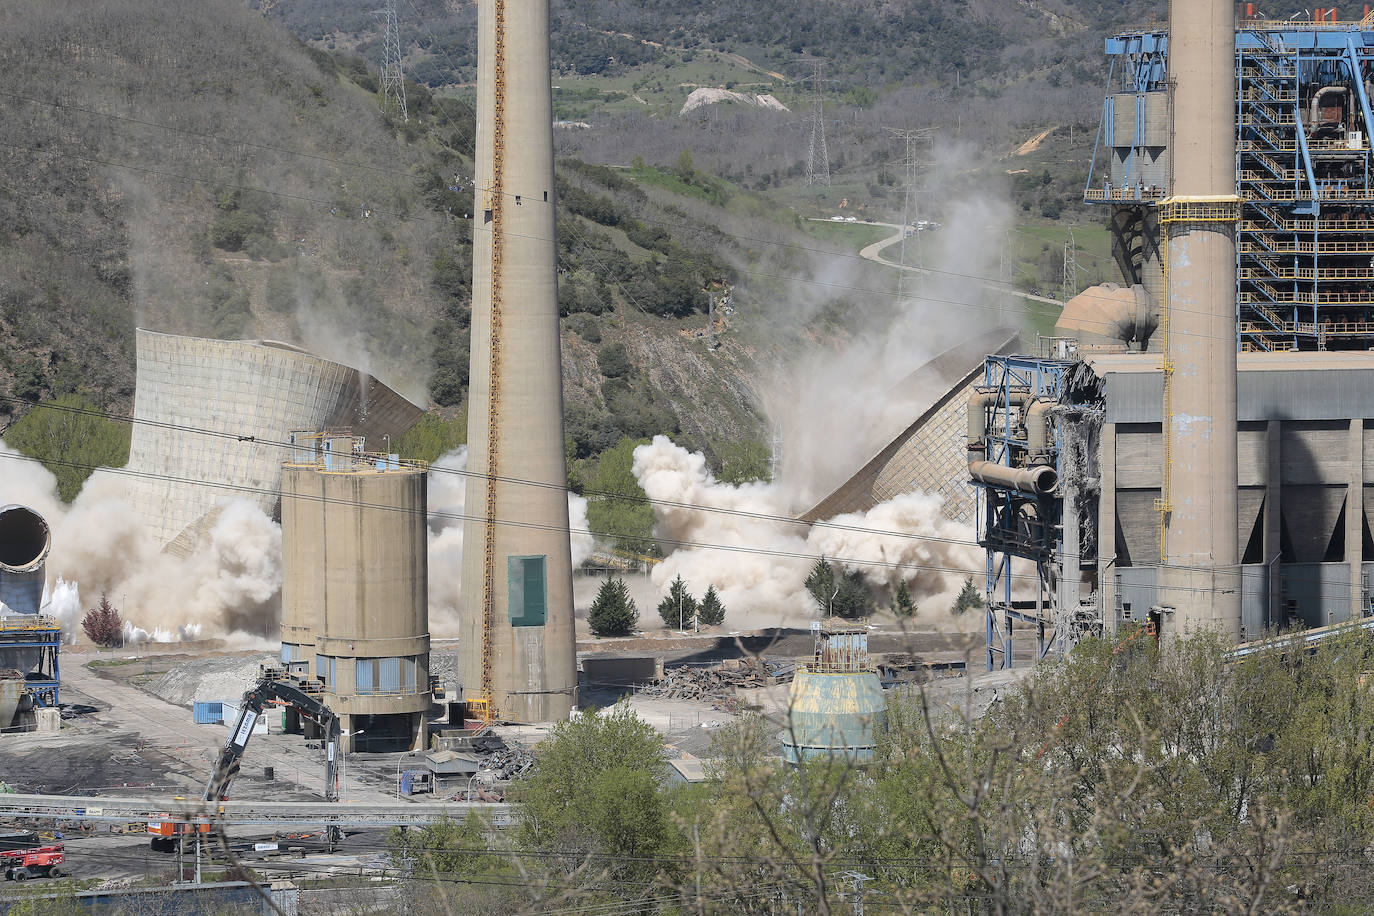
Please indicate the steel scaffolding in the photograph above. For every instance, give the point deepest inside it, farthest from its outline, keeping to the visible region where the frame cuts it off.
(1305, 237)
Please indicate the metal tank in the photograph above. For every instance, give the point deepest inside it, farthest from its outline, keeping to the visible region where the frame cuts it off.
(517, 656)
(24, 545)
(354, 587)
(836, 707)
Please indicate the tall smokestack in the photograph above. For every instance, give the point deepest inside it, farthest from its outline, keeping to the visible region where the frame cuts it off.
(516, 623)
(1201, 574)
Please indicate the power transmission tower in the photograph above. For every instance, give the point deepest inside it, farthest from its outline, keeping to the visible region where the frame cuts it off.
(909, 217)
(1068, 285)
(393, 79)
(817, 157)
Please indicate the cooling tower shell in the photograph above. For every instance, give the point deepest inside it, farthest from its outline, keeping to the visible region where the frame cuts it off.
(839, 714)
(24, 544)
(354, 585)
(211, 417)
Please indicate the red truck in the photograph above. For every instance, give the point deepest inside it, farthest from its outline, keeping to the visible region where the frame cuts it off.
(37, 862)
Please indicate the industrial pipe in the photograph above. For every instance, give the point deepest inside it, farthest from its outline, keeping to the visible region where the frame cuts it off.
(1039, 480)
(24, 544)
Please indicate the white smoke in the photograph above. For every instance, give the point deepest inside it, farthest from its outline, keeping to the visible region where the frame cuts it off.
(231, 583)
(447, 502)
(758, 563)
(838, 404)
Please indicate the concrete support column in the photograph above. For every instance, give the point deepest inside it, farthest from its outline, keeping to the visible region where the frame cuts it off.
(1273, 513)
(1354, 516)
(1106, 530)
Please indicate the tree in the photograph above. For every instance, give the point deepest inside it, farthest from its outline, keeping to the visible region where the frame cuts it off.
(617, 506)
(902, 603)
(678, 607)
(711, 612)
(103, 624)
(595, 789)
(613, 613)
(969, 598)
(852, 600)
(70, 437)
(821, 584)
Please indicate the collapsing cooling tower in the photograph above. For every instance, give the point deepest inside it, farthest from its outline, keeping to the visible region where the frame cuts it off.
(211, 417)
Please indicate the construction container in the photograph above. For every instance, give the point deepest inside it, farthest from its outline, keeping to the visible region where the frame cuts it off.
(208, 713)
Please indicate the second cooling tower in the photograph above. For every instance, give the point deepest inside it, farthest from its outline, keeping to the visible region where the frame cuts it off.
(354, 588)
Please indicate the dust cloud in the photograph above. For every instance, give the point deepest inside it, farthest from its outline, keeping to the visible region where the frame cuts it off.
(758, 562)
(447, 502)
(836, 405)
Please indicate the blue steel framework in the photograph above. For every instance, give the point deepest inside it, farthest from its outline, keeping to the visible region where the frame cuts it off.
(1305, 240)
(1013, 524)
(41, 632)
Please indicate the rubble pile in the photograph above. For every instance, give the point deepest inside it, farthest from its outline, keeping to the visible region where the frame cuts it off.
(717, 685)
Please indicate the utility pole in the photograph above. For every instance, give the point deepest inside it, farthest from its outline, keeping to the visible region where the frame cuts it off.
(909, 136)
(856, 893)
(1068, 285)
(817, 157)
(393, 79)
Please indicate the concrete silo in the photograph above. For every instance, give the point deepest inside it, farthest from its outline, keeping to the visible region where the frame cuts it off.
(354, 587)
(517, 653)
(211, 417)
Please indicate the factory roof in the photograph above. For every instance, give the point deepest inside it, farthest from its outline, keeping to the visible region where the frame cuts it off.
(1106, 363)
(1292, 386)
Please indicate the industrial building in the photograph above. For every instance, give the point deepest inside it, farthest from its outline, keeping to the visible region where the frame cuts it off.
(517, 653)
(211, 418)
(1305, 236)
(355, 597)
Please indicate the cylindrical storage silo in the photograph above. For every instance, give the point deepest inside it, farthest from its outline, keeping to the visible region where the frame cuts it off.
(838, 714)
(303, 586)
(355, 555)
(24, 544)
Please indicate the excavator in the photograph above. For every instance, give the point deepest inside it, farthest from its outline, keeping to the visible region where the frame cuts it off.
(272, 689)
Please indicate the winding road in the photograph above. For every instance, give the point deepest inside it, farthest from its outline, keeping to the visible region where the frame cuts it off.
(872, 253)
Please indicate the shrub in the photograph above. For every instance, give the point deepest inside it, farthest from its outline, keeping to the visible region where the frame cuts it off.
(103, 624)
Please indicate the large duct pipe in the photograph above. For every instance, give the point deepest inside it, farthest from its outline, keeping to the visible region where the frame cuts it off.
(24, 544)
(1039, 480)
(1200, 574)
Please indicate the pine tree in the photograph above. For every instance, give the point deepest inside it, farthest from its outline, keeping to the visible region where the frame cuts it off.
(821, 584)
(678, 608)
(613, 613)
(969, 598)
(712, 612)
(902, 604)
(103, 624)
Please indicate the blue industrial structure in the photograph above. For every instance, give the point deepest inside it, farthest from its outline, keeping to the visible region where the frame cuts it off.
(35, 640)
(1304, 168)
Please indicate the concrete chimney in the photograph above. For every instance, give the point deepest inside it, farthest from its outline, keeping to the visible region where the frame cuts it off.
(516, 624)
(1201, 574)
